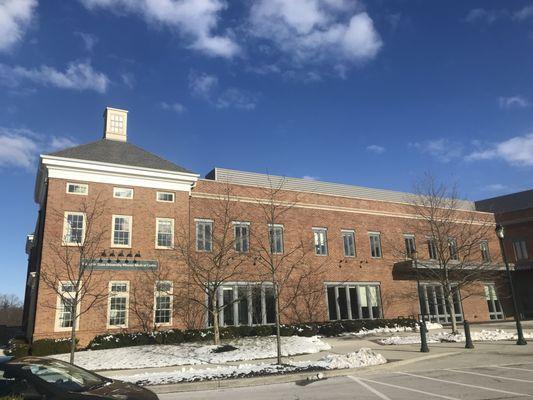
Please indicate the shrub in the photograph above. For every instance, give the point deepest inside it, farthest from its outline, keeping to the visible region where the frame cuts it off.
(46, 347)
(17, 348)
(286, 330)
(263, 330)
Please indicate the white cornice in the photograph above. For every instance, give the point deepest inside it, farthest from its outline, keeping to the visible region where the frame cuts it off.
(100, 172)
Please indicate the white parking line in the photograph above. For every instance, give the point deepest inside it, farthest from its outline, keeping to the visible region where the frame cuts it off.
(491, 376)
(369, 388)
(518, 369)
(409, 389)
(464, 384)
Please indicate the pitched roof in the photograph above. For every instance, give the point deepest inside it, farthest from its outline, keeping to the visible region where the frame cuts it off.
(506, 203)
(116, 152)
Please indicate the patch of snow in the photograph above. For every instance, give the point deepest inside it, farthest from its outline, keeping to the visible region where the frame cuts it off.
(362, 358)
(479, 336)
(378, 331)
(151, 356)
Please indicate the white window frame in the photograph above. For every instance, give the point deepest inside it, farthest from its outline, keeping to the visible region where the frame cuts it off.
(351, 233)
(57, 325)
(157, 245)
(130, 233)
(66, 228)
(406, 237)
(112, 294)
(432, 243)
(378, 234)
(240, 224)
(86, 186)
(116, 189)
(491, 295)
(197, 222)
(318, 234)
(485, 250)
(163, 293)
(273, 226)
(165, 201)
(452, 248)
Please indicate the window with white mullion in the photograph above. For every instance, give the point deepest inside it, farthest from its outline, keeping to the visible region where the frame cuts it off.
(74, 228)
(164, 233)
(348, 242)
(493, 303)
(122, 225)
(321, 241)
(375, 244)
(276, 238)
(118, 304)
(242, 236)
(204, 235)
(410, 245)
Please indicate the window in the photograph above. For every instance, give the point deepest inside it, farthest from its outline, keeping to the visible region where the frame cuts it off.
(520, 249)
(118, 304)
(164, 233)
(121, 231)
(452, 246)
(275, 233)
(485, 253)
(204, 233)
(493, 303)
(77, 188)
(353, 301)
(348, 243)
(242, 236)
(73, 228)
(245, 304)
(116, 123)
(123, 193)
(432, 249)
(321, 241)
(165, 196)
(66, 310)
(163, 303)
(410, 246)
(375, 244)
(435, 306)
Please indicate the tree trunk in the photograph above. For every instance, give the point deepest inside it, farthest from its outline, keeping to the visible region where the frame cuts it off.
(278, 330)
(73, 334)
(451, 305)
(216, 328)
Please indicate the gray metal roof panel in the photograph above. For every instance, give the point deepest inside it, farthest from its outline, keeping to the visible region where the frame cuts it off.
(116, 152)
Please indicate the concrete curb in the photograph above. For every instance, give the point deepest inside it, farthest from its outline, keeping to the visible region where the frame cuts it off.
(295, 377)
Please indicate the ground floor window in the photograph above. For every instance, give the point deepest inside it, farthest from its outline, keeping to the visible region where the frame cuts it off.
(118, 304)
(163, 303)
(353, 301)
(245, 304)
(495, 308)
(434, 304)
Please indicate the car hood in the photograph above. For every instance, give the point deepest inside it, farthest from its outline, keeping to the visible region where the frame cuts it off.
(122, 391)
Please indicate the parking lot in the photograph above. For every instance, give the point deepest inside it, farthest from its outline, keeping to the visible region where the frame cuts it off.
(514, 381)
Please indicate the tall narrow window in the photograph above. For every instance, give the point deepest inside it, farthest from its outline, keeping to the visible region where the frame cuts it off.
(275, 233)
(452, 246)
(410, 247)
(493, 303)
(348, 243)
(321, 241)
(485, 253)
(375, 244)
(73, 228)
(432, 249)
(242, 236)
(118, 305)
(163, 303)
(77, 188)
(520, 249)
(204, 235)
(66, 310)
(164, 233)
(121, 231)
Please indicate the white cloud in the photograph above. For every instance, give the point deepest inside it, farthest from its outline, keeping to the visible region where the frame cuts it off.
(374, 148)
(310, 178)
(77, 76)
(207, 87)
(443, 150)
(307, 31)
(484, 15)
(196, 20)
(524, 13)
(176, 107)
(128, 79)
(89, 40)
(15, 17)
(513, 102)
(517, 151)
(19, 147)
(495, 187)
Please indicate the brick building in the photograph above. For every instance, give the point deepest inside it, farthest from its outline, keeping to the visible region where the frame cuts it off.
(515, 213)
(357, 236)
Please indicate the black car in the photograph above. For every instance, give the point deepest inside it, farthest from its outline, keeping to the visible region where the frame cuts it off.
(37, 378)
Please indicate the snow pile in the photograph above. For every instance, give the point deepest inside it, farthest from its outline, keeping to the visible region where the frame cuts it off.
(362, 358)
(480, 336)
(377, 331)
(151, 356)
(429, 326)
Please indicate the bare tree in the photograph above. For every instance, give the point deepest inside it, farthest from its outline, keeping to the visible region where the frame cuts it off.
(278, 262)
(453, 235)
(10, 310)
(211, 256)
(71, 274)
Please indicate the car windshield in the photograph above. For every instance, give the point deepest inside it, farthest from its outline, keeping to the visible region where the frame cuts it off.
(62, 375)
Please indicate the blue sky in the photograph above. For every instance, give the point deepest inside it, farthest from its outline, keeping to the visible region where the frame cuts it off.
(372, 93)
